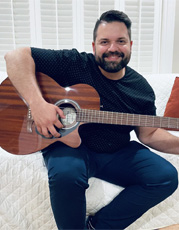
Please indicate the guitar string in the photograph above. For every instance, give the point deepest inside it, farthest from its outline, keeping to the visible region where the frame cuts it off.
(86, 112)
(129, 119)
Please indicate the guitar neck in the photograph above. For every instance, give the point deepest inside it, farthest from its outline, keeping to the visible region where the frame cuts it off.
(105, 117)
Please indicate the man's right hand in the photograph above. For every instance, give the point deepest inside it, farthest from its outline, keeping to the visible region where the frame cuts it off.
(45, 117)
(21, 71)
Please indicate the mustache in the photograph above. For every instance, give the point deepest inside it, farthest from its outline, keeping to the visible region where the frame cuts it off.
(119, 54)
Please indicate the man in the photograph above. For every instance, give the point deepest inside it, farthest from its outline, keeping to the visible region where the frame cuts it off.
(106, 151)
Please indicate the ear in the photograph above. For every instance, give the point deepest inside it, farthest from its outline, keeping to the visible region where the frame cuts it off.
(131, 43)
(93, 45)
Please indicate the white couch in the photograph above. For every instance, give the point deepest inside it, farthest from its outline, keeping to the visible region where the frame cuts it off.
(24, 194)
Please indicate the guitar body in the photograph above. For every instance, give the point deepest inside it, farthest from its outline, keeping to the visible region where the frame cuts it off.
(17, 130)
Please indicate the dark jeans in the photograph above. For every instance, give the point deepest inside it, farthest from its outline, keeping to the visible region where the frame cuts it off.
(148, 179)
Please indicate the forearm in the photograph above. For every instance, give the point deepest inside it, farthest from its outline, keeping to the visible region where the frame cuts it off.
(21, 72)
(160, 140)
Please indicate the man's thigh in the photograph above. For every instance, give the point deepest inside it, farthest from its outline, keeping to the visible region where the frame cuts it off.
(64, 160)
(134, 164)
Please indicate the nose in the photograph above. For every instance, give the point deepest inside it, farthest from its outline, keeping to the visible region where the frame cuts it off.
(113, 47)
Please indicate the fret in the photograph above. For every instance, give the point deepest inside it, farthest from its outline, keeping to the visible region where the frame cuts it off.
(173, 123)
(160, 122)
(164, 122)
(130, 119)
(150, 121)
(133, 119)
(156, 122)
(153, 121)
(121, 118)
(139, 119)
(98, 117)
(107, 116)
(110, 118)
(84, 117)
(79, 115)
(93, 116)
(136, 120)
(142, 120)
(103, 117)
(145, 120)
(116, 120)
(127, 118)
(168, 122)
(113, 118)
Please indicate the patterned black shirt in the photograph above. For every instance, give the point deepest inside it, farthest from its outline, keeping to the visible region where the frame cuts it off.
(131, 94)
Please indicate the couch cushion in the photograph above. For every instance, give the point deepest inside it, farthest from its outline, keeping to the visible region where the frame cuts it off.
(172, 107)
(162, 85)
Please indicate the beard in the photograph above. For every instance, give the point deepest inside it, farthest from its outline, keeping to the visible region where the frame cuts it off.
(113, 66)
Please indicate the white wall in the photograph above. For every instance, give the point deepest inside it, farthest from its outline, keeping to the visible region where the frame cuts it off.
(175, 68)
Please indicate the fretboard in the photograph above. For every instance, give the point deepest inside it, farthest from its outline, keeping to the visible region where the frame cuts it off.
(104, 117)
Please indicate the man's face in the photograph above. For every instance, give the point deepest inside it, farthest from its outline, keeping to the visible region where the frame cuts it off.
(112, 47)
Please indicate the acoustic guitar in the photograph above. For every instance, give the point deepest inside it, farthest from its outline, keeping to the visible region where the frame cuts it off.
(80, 103)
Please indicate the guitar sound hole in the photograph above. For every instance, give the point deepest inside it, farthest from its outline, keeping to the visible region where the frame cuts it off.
(70, 115)
(70, 109)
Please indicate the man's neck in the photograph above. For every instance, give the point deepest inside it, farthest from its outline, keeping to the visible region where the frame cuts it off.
(113, 76)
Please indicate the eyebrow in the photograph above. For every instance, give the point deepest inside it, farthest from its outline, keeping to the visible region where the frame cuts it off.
(106, 39)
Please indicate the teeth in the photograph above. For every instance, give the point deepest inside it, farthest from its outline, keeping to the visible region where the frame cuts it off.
(113, 57)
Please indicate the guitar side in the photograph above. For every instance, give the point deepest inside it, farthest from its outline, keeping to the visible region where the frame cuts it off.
(15, 137)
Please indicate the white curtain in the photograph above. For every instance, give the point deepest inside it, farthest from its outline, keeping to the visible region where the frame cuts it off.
(66, 24)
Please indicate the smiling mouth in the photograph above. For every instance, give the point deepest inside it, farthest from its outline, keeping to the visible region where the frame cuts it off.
(113, 56)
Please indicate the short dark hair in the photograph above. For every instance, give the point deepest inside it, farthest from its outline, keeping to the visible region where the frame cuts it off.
(113, 16)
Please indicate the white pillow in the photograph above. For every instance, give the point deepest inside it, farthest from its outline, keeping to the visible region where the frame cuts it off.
(3, 75)
(99, 194)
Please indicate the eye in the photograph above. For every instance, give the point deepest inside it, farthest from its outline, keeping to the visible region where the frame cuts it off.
(122, 42)
(104, 42)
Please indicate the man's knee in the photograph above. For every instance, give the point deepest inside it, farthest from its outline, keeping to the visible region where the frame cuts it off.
(166, 180)
(171, 179)
(68, 177)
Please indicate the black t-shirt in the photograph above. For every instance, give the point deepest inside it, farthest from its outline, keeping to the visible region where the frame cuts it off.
(131, 94)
